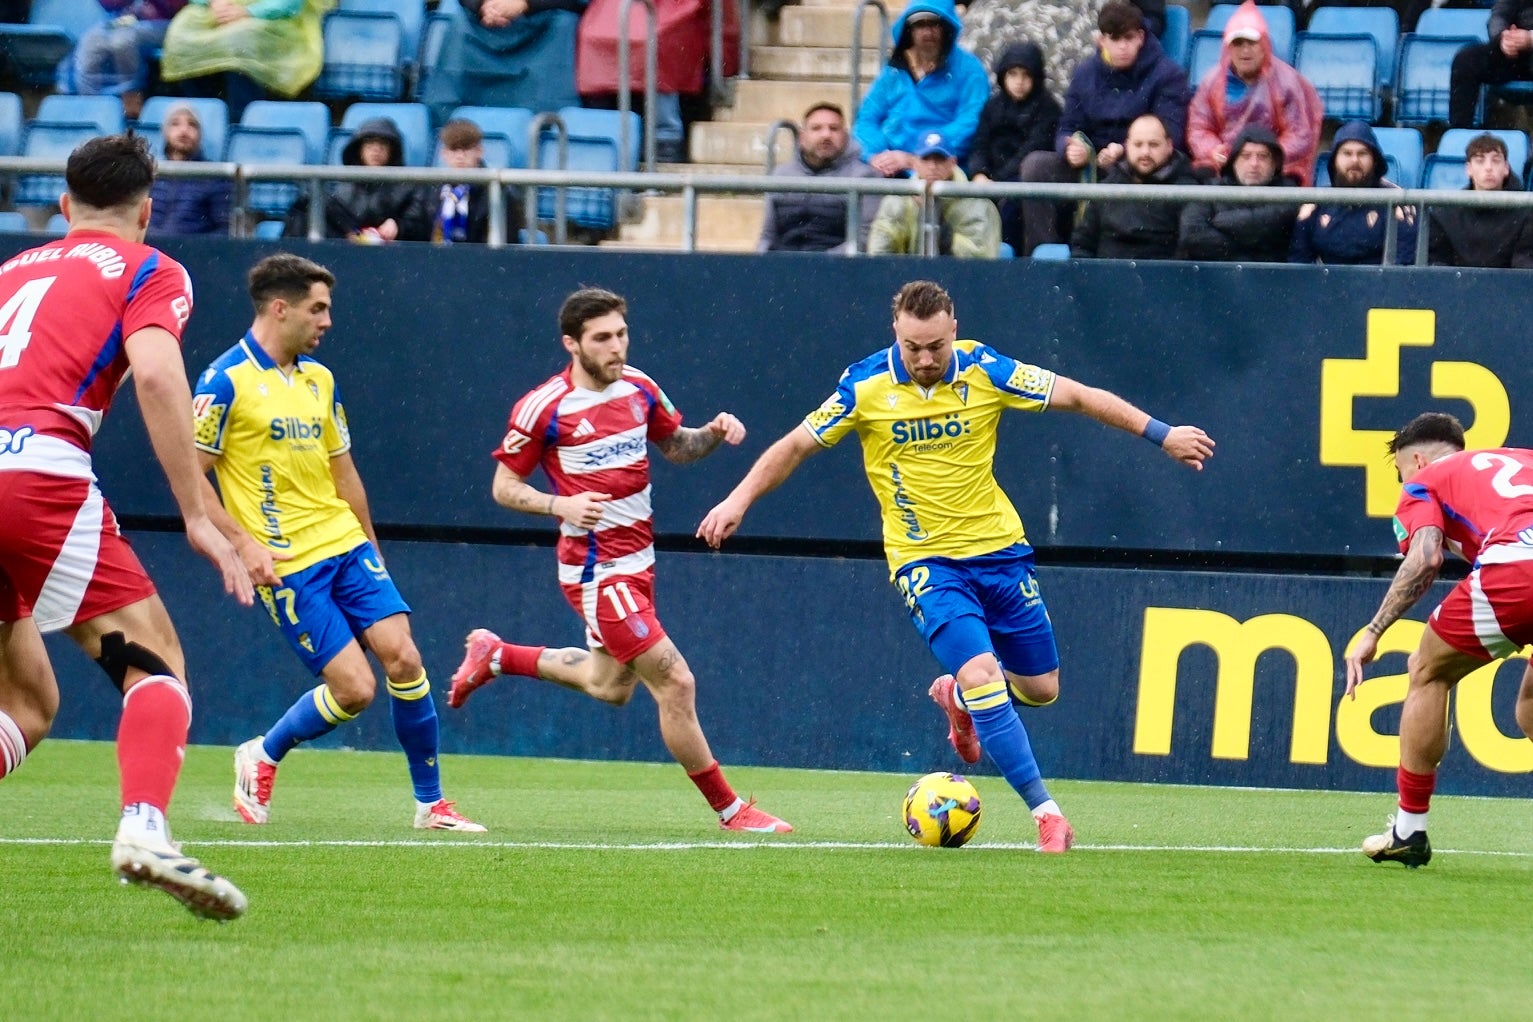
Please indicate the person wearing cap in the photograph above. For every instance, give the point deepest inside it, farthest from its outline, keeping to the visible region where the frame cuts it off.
(1236, 231)
(967, 228)
(929, 85)
(369, 212)
(1137, 230)
(187, 205)
(1338, 235)
(1250, 86)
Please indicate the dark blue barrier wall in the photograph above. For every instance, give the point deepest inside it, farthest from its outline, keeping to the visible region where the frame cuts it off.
(1183, 677)
(432, 350)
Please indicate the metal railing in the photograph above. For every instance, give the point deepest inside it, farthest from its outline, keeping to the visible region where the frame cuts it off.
(781, 124)
(692, 186)
(884, 45)
(625, 85)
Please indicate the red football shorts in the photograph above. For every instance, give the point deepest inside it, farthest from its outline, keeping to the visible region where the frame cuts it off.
(62, 558)
(1489, 614)
(619, 612)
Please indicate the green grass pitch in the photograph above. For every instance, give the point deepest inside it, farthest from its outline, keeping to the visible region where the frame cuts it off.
(605, 891)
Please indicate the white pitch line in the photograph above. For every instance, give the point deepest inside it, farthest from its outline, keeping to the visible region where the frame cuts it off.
(682, 846)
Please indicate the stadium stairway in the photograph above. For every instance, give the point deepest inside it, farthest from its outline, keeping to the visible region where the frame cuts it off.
(802, 58)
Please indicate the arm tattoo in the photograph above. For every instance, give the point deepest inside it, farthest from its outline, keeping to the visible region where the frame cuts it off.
(528, 500)
(1411, 582)
(687, 445)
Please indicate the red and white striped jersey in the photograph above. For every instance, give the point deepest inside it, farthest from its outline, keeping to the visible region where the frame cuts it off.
(590, 441)
(65, 310)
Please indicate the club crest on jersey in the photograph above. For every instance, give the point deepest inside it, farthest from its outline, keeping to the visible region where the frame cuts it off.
(314, 389)
(636, 406)
(962, 390)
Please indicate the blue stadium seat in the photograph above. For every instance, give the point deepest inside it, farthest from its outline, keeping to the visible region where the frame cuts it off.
(412, 119)
(1451, 22)
(593, 145)
(1382, 24)
(1421, 93)
(268, 146)
(1345, 72)
(269, 230)
(1445, 173)
(1052, 251)
(1280, 26)
(49, 140)
(1177, 41)
(11, 124)
(105, 112)
(1403, 148)
(411, 15)
(509, 122)
(57, 224)
(1455, 140)
(364, 56)
(12, 222)
(1005, 251)
(1203, 57)
(213, 113)
(311, 119)
(31, 53)
(432, 36)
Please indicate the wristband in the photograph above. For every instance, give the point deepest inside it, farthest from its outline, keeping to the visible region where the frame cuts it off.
(1156, 432)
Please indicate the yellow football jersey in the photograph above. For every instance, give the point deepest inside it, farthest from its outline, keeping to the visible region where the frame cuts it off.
(275, 434)
(928, 454)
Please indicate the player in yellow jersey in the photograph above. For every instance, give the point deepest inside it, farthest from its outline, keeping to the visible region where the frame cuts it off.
(926, 411)
(271, 426)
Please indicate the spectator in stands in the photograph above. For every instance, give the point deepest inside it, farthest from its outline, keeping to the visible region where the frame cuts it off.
(1342, 235)
(245, 49)
(1019, 119)
(187, 205)
(930, 85)
(1250, 86)
(1243, 232)
(1466, 236)
(111, 57)
(370, 212)
(512, 53)
(684, 30)
(1137, 230)
(463, 211)
(809, 222)
(1508, 57)
(967, 228)
(1130, 76)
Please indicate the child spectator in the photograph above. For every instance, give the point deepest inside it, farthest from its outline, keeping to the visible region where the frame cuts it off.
(1020, 118)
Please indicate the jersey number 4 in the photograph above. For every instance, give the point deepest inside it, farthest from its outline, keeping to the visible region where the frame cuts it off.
(16, 317)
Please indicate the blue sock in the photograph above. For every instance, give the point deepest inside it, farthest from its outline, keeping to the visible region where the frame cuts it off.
(414, 714)
(1002, 735)
(315, 713)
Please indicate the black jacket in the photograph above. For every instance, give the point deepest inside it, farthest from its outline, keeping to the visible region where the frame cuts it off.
(353, 205)
(1463, 236)
(1134, 230)
(1232, 232)
(1009, 130)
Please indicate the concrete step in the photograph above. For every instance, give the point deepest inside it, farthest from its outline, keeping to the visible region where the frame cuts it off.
(722, 220)
(765, 101)
(782, 63)
(701, 169)
(739, 142)
(823, 26)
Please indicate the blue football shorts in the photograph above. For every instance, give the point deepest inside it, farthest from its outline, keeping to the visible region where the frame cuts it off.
(323, 607)
(984, 604)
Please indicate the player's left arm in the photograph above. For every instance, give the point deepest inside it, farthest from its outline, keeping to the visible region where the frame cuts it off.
(348, 485)
(1187, 444)
(687, 445)
(1412, 579)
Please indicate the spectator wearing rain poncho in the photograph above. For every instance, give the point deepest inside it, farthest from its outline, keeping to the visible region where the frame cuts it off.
(257, 47)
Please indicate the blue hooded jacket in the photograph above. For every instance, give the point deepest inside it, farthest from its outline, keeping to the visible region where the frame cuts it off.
(899, 111)
(1353, 235)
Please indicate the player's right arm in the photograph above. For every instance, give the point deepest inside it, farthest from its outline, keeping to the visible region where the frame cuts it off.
(770, 471)
(1423, 560)
(514, 492)
(163, 395)
(259, 559)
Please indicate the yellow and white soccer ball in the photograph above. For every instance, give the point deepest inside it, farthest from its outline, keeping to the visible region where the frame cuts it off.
(942, 810)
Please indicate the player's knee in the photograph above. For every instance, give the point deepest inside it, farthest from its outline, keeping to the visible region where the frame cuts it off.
(1036, 690)
(119, 657)
(977, 672)
(353, 694)
(404, 664)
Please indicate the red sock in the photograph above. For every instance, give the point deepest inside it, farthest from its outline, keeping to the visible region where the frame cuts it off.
(710, 781)
(1415, 790)
(151, 740)
(522, 660)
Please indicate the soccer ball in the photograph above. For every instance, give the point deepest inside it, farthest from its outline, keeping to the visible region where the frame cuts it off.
(942, 810)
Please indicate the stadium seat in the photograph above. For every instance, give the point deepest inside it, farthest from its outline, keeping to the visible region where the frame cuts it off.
(1403, 148)
(1455, 140)
(1203, 57)
(432, 36)
(105, 112)
(1421, 92)
(1345, 72)
(364, 57)
(57, 224)
(509, 122)
(268, 229)
(1005, 251)
(1451, 22)
(12, 125)
(48, 140)
(1177, 41)
(12, 222)
(1280, 26)
(310, 119)
(213, 113)
(411, 15)
(1382, 24)
(412, 119)
(593, 146)
(31, 53)
(1445, 173)
(269, 146)
(1052, 251)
